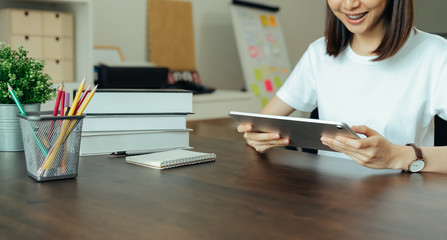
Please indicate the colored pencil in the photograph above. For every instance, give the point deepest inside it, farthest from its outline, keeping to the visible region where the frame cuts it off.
(67, 127)
(87, 90)
(67, 102)
(16, 100)
(56, 107)
(76, 99)
(58, 99)
(22, 111)
(62, 105)
(87, 100)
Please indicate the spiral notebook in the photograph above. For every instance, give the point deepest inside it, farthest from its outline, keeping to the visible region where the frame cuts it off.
(171, 159)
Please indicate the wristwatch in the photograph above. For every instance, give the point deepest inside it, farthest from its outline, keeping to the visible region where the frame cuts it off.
(418, 164)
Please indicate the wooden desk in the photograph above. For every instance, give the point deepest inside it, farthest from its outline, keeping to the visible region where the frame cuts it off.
(286, 195)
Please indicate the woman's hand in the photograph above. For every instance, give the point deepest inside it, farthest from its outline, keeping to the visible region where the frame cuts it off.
(374, 151)
(261, 141)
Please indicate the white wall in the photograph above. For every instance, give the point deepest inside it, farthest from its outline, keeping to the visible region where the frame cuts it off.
(431, 15)
(123, 23)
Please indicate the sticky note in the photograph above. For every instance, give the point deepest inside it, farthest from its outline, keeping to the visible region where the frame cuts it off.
(278, 82)
(252, 51)
(264, 20)
(265, 71)
(273, 22)
(255, 89)
(264, 101)
(268, 85)
(258, 74)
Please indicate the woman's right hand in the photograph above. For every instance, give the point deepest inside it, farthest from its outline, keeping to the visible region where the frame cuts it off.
(261, 141)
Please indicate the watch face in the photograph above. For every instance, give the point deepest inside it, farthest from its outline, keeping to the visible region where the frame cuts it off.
(417, 165)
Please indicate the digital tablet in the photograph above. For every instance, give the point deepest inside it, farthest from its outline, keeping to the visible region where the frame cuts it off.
(302, 132)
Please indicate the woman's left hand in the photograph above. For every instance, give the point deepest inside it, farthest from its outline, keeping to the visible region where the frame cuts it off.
(374, 151)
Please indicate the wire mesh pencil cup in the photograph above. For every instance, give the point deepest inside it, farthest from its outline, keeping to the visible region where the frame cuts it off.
(51, 145)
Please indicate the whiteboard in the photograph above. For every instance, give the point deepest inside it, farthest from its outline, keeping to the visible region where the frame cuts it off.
(262, 49)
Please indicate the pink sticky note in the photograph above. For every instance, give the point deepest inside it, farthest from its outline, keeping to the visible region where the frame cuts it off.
(253, 51)
(268, 85)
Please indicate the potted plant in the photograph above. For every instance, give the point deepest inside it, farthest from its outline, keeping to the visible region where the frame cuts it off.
(31, 85)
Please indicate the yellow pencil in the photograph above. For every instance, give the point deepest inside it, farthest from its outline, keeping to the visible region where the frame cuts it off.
(86, 101)
(76, 99)
(64, 132)
(67, 126)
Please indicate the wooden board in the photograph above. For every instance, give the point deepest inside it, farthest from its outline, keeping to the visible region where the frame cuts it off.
(171, 34)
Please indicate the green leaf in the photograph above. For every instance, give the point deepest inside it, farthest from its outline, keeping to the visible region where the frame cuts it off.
(25, 75)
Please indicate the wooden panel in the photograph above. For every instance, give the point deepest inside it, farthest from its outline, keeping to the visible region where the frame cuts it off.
(24, 21)
(58, 48)
(57, 24)
(60, 70)
(171, 34)
(33, 44)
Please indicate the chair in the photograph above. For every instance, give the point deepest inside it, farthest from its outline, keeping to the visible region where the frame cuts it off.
(440, 131)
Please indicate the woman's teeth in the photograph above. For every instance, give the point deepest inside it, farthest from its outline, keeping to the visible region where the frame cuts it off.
(357, 16)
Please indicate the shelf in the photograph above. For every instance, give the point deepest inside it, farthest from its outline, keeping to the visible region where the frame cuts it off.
(217, 104)
(53, 1)
(83, 13)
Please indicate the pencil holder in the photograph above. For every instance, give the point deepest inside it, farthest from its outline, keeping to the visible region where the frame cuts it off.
(51, 145)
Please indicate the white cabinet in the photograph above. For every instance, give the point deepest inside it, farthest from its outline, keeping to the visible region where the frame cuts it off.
(217, 104)
(81, 30)
(47, 35)
(82, 35)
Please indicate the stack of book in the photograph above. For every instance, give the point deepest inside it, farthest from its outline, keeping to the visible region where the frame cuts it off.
(136, 121)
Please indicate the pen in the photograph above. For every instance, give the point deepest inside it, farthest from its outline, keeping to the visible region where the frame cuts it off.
(67, 103)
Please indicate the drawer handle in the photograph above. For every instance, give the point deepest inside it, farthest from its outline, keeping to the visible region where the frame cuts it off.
(57, 61)
(26, 13)
(57, 39)
(26, 37)
(57, 15)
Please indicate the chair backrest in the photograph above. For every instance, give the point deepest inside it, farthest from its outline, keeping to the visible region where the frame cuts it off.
(440, 131)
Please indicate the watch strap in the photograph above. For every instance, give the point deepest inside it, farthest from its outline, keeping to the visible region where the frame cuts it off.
(417, 150)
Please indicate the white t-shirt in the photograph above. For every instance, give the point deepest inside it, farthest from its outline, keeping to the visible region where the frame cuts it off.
(398, 97)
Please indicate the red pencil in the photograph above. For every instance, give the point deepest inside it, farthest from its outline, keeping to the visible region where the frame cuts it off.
(58, 99)
(87, 90)
(56, 107)
(62, 103)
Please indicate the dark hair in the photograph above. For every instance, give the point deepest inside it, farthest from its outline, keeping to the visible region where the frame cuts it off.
(399, 15)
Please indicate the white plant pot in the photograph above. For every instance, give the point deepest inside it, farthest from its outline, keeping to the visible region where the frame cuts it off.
(10, 132)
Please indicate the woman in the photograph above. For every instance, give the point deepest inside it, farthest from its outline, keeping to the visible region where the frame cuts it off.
(376, 72)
